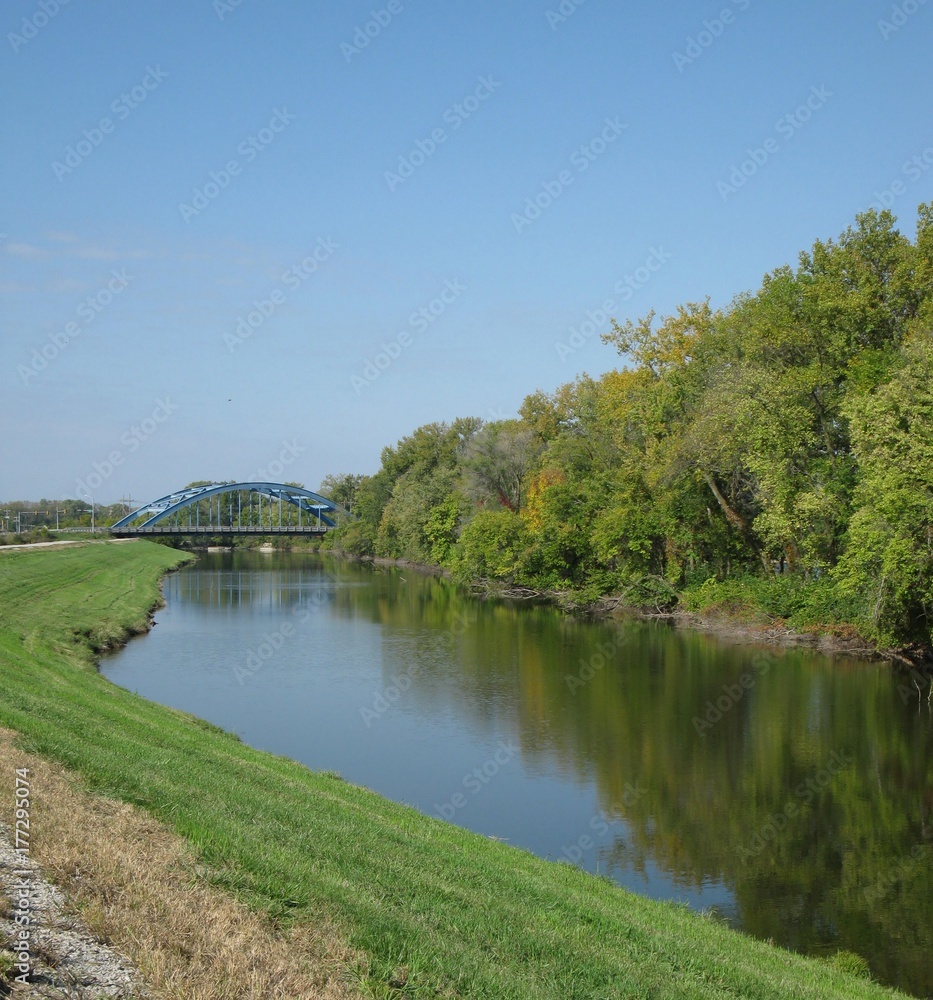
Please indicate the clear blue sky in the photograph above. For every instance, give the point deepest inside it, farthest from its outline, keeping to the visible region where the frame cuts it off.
(116, 115)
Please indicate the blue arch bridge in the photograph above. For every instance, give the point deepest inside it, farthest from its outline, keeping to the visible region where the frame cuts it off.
(233, 509)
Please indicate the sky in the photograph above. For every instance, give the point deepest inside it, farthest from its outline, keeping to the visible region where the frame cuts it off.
(250, 239)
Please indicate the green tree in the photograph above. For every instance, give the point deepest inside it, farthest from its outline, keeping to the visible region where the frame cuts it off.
(888, 563)
(491, 546)
(341, 488)
(496, 462)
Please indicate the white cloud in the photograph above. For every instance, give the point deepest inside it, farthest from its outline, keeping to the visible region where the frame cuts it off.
(91, 252)
(67, 285)
(95, 253)
(26, 250)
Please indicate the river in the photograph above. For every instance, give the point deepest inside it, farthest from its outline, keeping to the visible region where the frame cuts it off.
(787, 793)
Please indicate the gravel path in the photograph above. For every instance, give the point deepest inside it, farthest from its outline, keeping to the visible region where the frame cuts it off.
(66, 961)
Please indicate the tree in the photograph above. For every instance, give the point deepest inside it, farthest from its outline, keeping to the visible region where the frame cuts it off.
(491, 546)
(888, 562)
(341, 488)
(496, 462)
(791, 428)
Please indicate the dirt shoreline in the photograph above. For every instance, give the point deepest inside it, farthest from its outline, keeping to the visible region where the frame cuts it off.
(838, 641)
(777, 634)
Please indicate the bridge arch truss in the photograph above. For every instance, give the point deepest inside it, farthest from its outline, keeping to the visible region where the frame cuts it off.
(166, 508)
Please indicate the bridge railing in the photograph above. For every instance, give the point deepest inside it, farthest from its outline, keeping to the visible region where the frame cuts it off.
(226, 529)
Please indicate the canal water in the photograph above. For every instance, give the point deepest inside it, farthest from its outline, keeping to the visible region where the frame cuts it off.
(787, 793)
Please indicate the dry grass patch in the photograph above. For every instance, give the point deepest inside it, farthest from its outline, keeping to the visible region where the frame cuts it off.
(136, 885)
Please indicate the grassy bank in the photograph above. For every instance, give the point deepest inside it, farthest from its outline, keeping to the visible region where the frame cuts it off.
(434, 910)
(787, 608)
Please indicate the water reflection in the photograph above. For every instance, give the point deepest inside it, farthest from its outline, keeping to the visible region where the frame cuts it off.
(792, 793)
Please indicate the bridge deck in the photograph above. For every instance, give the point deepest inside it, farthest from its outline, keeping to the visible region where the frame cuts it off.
(225, 529)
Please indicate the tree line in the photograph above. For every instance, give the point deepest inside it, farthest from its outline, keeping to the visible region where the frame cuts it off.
(777, 452)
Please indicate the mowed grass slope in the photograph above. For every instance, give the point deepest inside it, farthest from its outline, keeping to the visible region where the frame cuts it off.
(438, 911)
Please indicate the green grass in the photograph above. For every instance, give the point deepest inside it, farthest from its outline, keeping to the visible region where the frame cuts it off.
(801, 603)
(464, 915)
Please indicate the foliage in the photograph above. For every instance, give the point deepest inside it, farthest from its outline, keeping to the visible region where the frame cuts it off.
(491, 546)
(496, 462)
(888, 564)
(790, 433)
(341, 488)
(790, 598)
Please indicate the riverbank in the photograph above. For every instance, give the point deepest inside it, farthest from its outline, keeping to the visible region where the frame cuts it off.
(744, 621)
(412, 906)
(740, 624)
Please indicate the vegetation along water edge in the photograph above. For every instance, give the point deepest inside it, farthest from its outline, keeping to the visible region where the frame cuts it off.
(766, 466)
